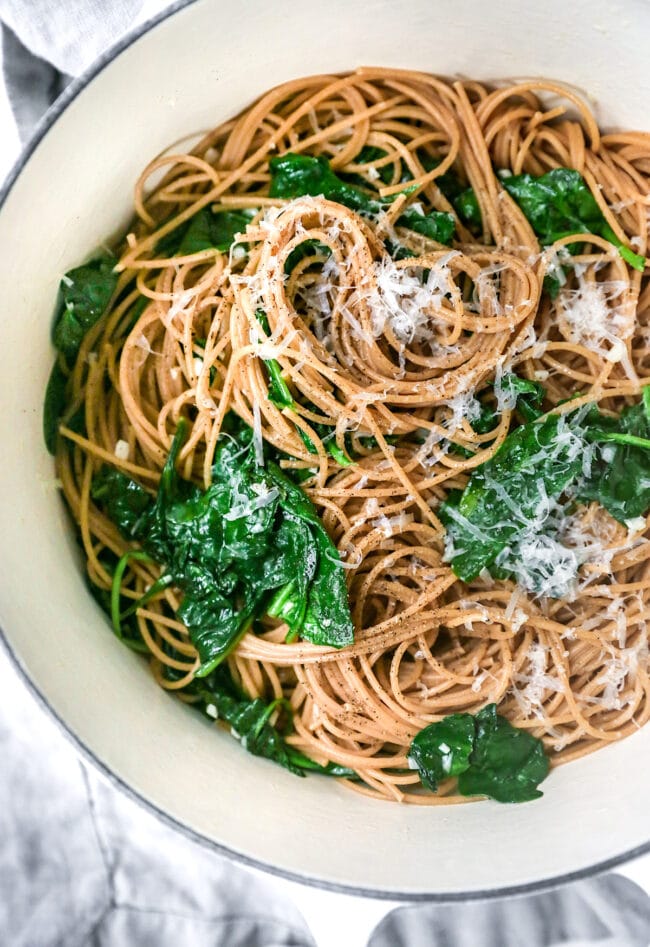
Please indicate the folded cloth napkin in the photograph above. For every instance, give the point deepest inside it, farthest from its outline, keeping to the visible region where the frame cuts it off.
(80, 863)
(609, 911)
(45, 42)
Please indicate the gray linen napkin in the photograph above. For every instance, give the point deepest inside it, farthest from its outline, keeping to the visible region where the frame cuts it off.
(82, 864)
(45, 42)
(609, 911)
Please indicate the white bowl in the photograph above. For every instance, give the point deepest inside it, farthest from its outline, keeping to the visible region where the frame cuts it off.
(187, 72)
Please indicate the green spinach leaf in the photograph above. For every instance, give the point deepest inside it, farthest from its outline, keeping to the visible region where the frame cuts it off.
(536, 462)
(86, 293)
(251, 539)
(436, 225)
(294, 175)
(54, 406)
(125, 502)
(583, 455)
(250, 721)
(507, 763)
(522, 394)
(489, 756)
(559, 204)
(206, 230)
(462, 198)
(305, 250)
(620, 474)
(326, 769)
(443, 749)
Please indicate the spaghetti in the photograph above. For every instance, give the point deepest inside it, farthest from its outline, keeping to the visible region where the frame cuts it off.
(383, 353)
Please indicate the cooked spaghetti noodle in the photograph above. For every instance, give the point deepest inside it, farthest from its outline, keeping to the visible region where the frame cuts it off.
(387, 353)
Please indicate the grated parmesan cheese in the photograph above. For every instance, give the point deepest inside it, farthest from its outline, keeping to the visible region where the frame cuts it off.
(122, 450)
(407, 305)
(598, 316)
(390, 525)
(536, 682)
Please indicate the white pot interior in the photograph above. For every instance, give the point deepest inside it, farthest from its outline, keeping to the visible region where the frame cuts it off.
(199, 66)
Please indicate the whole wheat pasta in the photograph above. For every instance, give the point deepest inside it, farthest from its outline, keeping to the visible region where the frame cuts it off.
(385, 353)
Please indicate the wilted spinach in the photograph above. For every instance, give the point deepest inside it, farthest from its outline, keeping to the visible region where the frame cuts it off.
(54, 405)
(232, 548)
(532, 465)
(297, 175)
(620, 475)
(559, 204)
(250, 721)
(523, 395)
(124, 501)
(86, 292)
(485, 752)
(206, 230)
(536, 464)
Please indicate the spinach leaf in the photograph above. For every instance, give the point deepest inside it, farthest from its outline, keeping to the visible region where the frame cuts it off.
(294, 175)
(251, 539)
(218, 229)
(620, 475)
(297, 175)
(468, 209)
(462, 198)
(54, 406)
(86, 293)
(327, 614)
(489, 756)
(215, 622)
(250, 721)
(124, 501)
(523, 394)
(506, 498)
(279, 393)
(507, 764)
(327, 619)
(304, 250)
(535, 463)
(443, 749)
(436, 225)
(289, 603)
(206, 230)
(327, 769)
(558, 204)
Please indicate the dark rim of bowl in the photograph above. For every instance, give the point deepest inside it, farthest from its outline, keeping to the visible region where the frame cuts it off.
(46, 123)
